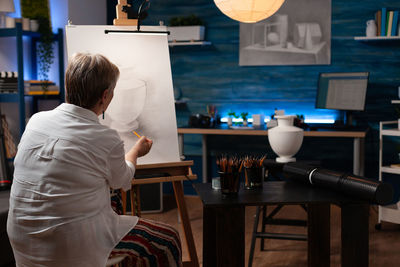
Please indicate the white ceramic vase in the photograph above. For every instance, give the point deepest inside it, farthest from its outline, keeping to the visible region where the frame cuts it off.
(371, 29)
(34, 25)
(285, 139)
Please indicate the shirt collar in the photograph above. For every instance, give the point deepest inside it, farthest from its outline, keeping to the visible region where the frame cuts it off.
(78, 111)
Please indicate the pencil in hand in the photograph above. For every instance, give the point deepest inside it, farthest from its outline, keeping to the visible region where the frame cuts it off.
(135, 133)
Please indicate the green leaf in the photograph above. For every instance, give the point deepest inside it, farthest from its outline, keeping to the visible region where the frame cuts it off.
(39, 10)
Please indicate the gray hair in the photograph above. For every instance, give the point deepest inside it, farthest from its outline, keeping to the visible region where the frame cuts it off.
(87, 77)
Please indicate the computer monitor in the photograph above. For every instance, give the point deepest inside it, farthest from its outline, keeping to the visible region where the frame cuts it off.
(342, 91)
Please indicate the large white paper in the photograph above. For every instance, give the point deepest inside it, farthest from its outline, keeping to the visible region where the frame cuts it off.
(143, 98)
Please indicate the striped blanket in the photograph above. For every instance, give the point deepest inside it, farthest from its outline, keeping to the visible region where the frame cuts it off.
(149, 243)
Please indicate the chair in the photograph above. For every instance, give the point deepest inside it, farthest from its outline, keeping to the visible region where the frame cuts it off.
(267, 219)
(134, 196)
(176, 173)
(135, 202)
(115, 262)
(273, 171)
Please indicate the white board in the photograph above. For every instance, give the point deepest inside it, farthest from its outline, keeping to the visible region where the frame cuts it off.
(143, 98)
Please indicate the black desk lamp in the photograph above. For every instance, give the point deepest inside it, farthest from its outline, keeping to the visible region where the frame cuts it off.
(132, 12)
(127, 14)
(142, 14)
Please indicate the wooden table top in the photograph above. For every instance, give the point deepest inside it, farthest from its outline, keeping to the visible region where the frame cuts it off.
(264, 132)
(273, 192)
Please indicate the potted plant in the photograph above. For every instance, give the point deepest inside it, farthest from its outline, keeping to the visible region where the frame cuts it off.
(39, 10)
(189, 28)
(231, 115)
(244, 117)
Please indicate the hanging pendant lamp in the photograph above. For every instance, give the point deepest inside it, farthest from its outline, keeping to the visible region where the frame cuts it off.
(248, 11)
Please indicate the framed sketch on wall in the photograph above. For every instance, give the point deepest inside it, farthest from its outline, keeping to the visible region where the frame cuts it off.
(298, 34)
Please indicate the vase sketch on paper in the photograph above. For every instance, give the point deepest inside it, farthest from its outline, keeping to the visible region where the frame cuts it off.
(121, 114)
(143, 98)
(298, 34)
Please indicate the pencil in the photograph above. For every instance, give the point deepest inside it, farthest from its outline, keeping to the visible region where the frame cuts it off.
(136, 134)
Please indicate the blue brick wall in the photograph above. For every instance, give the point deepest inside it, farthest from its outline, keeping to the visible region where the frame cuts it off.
(211, 75)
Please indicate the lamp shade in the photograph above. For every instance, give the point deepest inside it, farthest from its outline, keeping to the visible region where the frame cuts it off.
(7, 6)
(248, 11)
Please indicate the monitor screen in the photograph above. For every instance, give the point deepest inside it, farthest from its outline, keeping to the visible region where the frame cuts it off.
(342, 90)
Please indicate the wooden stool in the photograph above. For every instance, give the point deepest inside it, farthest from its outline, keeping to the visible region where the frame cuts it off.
(174, 172)
(268, 219)
(115, 261)
(273, 172)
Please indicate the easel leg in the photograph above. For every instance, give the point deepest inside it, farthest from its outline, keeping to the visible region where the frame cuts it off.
(187, 229)
(123, 198)
(135, 201)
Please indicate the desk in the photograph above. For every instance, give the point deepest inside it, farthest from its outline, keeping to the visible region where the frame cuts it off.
(224, 223)
(358, 142)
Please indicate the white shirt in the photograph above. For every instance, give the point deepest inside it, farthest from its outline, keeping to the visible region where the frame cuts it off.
(60, 212)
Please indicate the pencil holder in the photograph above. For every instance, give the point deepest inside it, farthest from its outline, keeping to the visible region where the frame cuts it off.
(229, 182)
(253, 177)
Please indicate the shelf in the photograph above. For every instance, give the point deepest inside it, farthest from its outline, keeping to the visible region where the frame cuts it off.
(180, 102)
(14, 97)
(395, 102)
(8, 32)
(388, 169)
(189, 43)
(19, 96)
(12, 32)
(45, 96)
(10, 97)
(377, 38)
(391, 132)
(390, 213)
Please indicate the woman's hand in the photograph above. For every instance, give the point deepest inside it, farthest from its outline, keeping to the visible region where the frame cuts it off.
(141, 148)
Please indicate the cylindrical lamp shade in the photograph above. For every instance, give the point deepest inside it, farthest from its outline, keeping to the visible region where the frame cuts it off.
(248, 11)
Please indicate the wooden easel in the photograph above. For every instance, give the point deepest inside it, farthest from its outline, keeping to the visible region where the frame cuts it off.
(174, 172)
(122, 17)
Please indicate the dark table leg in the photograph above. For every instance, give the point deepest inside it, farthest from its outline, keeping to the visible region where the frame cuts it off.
(355, 239)
(209, 237)
(223, 236)
(318, 235)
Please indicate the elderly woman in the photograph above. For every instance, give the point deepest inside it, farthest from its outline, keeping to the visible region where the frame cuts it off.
(60, 212)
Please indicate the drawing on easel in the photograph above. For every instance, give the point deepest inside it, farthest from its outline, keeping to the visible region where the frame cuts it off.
(128, 102)
(143, 97)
